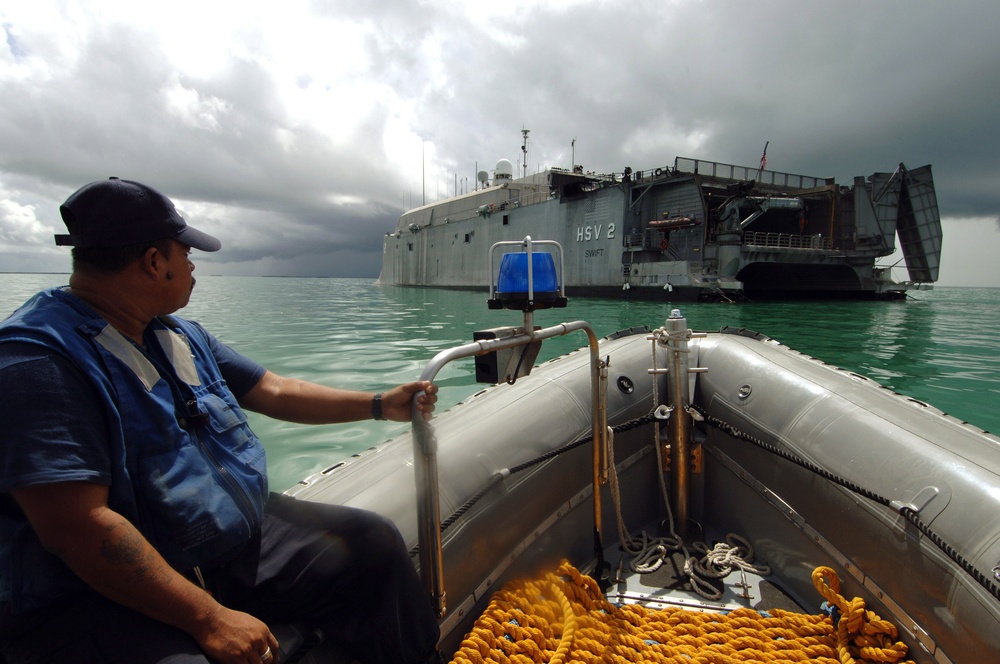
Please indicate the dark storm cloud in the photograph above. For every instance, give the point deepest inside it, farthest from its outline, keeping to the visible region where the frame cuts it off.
(842, 89)
(302, 170)
(114, 113)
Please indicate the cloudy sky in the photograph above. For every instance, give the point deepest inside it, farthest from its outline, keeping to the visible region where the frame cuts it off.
(298, 131)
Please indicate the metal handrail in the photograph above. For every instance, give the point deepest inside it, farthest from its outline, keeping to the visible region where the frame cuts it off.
(787, 240)
(742, 173)
(425, 446)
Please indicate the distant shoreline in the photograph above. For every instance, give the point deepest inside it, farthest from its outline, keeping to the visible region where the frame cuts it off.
(298, 276)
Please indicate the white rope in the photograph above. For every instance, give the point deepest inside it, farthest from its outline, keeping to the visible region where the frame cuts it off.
(723, 558)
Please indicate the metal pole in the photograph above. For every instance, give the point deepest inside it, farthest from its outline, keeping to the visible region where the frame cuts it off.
(680, 421)
(428, 510)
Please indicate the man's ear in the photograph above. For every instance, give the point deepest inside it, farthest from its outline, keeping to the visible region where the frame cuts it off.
(153, 262)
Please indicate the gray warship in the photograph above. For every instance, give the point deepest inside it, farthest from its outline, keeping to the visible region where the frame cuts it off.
(695, 230)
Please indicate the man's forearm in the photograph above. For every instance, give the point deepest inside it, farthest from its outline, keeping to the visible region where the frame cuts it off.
(74, 522)
(296, 400)
(119, 563)
(107, 552)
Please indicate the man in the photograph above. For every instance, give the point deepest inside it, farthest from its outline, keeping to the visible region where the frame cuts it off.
(135, 521)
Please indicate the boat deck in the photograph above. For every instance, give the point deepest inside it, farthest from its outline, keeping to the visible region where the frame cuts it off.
(668, 586)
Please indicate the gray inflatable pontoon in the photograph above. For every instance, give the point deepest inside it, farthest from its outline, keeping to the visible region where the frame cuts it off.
(814, 466)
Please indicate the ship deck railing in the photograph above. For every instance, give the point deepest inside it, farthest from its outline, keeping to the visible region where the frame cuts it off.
(527, 197)
(735, 173)
(787, 241)
(649, 241)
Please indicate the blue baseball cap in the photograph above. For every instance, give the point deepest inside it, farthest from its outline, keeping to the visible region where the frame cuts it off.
(118, 213)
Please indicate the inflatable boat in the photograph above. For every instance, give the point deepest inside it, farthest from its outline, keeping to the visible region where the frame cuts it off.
(661, 471)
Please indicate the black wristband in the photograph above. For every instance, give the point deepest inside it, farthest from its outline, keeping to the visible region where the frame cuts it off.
(377, 407)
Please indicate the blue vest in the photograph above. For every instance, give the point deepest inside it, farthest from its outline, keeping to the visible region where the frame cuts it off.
(187, 470)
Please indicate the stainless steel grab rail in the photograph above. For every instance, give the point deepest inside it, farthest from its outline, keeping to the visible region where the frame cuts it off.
(425, 447)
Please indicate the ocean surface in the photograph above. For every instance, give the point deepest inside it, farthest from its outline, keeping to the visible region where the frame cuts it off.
(941, 347)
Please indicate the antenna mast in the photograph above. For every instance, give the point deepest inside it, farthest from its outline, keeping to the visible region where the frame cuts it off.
(524, 150)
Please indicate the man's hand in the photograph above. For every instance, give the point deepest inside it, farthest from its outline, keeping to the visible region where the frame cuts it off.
(397, 402)
(232, 637)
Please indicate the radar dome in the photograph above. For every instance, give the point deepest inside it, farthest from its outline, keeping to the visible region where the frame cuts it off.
(484, 177)
(504, 170)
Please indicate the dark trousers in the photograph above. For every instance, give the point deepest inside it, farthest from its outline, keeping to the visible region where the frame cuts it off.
(341, 570)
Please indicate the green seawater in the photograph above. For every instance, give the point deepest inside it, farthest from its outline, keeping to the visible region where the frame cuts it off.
(939, 346)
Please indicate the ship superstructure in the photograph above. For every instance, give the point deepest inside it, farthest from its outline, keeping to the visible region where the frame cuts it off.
(695, 230)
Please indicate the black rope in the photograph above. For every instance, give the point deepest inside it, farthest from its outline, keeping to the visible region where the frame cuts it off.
(520, 361)
(788, 456)
(500, 477)
(907, 512)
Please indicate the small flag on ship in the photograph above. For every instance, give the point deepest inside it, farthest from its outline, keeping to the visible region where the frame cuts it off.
(763, 157)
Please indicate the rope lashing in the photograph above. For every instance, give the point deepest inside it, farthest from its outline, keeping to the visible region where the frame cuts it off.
(563, 617)
(650, 553)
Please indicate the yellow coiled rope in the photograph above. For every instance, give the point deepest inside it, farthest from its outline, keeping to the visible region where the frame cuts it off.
(563, 617)
(861, 634)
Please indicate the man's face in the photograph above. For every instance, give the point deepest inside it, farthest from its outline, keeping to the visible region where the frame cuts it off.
(179, 278)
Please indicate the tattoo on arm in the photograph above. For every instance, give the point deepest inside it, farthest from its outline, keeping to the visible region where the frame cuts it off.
(125, 547)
